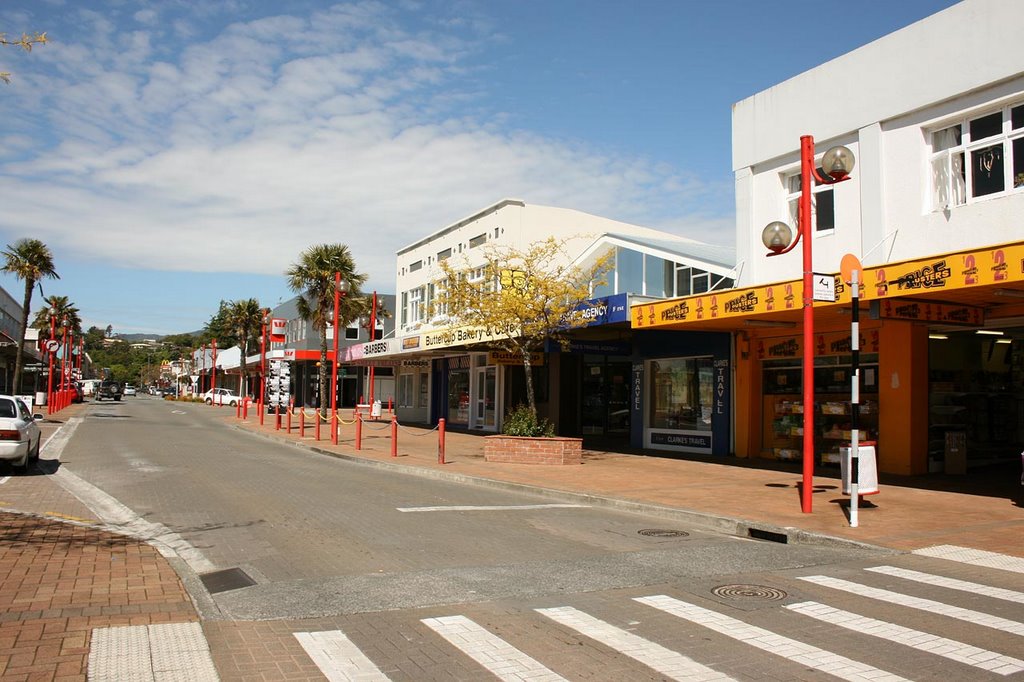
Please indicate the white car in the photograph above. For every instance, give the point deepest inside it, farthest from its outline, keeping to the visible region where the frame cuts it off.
(221, 396)
(129, 390)
(19, 433)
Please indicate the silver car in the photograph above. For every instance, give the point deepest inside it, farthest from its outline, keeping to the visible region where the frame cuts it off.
(19, 432)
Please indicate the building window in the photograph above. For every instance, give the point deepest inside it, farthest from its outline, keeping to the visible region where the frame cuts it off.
(418, 265)
(977, 157)
(444, 255)
(352, 331)
(823, 208)
(682, 393)
(477, 240)
(406, 396)
(415, 311)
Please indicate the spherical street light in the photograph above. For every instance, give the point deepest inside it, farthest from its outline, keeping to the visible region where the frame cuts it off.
(776, 236)
(838, 162)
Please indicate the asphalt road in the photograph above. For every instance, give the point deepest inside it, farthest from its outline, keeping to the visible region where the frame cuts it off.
(322, 536)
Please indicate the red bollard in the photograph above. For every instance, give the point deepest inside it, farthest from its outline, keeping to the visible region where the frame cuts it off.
(394, 435)
(277, 412)
(440, 440)
(289, 420)
(359, 431)
(245, 409)
(391, 408)
(317, 417)
(302, 422)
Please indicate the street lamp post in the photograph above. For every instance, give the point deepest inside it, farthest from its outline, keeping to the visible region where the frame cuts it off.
(213, 376)
(49, 371)
(778, 238)
(341, 287)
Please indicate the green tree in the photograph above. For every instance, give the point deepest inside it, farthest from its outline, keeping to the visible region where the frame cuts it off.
(246, 316)
(30, 260)
(312, 277)
(66, 315)
(519, 299)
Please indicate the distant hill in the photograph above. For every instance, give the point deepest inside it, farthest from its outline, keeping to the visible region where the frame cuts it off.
(139, 338)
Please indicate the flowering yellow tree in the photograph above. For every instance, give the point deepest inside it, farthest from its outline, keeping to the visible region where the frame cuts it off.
(517, 299)
(25, 42)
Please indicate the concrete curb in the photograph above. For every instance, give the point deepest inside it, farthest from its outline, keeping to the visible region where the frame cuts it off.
(692, 518)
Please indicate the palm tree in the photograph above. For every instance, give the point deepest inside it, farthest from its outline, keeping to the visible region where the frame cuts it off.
(245, 317)
(61, 308)
(313, 278)
(30, 260)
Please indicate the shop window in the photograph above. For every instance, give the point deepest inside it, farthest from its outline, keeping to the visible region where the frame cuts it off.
(978, 157)
(682, 393)
(405, 390)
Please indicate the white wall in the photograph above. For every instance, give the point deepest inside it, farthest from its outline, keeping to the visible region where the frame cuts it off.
(959, 62)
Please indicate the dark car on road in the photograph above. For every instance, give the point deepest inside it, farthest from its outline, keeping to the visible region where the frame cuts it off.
(108, 390)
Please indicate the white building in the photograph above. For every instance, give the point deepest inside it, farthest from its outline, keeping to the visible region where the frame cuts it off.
(934, 114)
(441, 375)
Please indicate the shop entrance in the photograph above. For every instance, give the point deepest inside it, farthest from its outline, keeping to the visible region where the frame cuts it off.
(485, 403)
(975, 399)
(605, 393)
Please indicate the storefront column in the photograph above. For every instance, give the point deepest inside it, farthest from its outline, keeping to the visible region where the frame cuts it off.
(748, 398)
(903, 399)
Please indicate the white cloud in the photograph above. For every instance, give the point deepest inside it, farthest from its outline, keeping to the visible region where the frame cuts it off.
(282, 132)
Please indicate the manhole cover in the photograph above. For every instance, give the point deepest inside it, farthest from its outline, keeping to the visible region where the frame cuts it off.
(228, 579)
(663, 533)
(749, 592)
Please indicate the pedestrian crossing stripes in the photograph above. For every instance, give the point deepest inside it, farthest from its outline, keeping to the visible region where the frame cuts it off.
(338, 658)
(504, 660)
(929, 605)
(673, 665)
(798, 652)
(950, 583)
(464, 642)
(922, 641)
(974, 557)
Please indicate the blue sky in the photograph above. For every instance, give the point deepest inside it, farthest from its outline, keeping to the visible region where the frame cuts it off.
(173, 154)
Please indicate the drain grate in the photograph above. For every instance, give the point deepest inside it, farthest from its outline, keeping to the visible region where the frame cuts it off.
(228, 579)
(749, 593)
(663, 533)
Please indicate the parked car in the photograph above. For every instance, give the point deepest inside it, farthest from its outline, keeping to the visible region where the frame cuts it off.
(19, 433)
(221, 396)
(129, 390)
(108, 389)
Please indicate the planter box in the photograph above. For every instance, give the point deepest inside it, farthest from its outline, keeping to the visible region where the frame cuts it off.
(523, 450)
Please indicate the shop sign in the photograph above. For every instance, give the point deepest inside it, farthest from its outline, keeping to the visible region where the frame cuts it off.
(410, 343)
(601, 347)
(416, 363)
(458, 337)
(605, 310)
(830, 343)
(721, 377)
(925, 311)
(278, 327)
(500, 357)
(949, 272)
(382, 347)
(699, 441)
(638, 387)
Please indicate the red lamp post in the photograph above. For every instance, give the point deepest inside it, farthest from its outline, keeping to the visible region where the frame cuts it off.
(213, 376)
(49, 373)
(778, 238)
(341, 288)
(64, 366)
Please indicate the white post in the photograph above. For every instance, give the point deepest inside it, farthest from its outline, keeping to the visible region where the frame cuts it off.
(854, 398)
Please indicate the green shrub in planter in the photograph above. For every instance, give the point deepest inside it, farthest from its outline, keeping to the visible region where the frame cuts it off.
(523, 422)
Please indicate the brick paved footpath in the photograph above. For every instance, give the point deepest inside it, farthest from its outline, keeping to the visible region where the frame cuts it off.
(61, 576)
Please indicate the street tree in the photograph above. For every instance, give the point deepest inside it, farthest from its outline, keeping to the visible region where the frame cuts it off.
(312, 277)
(29, 260)
(63, 311)
(245, 316)
(25, 42)
(519, 299)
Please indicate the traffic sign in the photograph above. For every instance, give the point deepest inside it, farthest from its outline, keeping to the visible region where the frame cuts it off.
(52, 345)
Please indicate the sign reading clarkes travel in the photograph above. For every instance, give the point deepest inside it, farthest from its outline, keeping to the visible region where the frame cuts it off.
(963, 270)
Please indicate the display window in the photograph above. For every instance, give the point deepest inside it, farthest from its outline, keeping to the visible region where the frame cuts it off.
(681, 401)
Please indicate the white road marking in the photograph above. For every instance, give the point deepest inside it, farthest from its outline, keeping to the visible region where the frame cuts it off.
(338, 658)
(502, 659)
(922, 641)
(950, 583)
(151, 652)
(673, 665)
(766, 640)
(974, 557)
(929, 605)
(492, 507)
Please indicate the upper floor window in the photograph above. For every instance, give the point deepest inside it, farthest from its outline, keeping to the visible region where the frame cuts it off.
(416, 302)
(823, 204)
(977, 157)
(413, 267)
(477, 240)
(444, 255)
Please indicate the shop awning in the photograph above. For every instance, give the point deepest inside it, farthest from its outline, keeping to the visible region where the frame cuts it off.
(960, 288)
